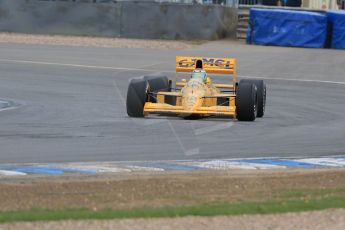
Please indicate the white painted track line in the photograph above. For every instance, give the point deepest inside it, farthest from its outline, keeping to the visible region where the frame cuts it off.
(150, 70)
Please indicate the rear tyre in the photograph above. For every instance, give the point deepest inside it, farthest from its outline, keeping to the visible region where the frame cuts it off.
(136, 97)
(246, 102)
(261, 89)
(158, 83)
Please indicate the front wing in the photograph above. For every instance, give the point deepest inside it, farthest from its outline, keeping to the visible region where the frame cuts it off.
(211, 110)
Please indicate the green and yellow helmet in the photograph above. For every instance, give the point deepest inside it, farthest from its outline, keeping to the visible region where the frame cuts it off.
(199, 74)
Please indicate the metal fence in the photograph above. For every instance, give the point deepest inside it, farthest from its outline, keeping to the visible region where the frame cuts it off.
(313, 4)
(250, 2)
(231, 3)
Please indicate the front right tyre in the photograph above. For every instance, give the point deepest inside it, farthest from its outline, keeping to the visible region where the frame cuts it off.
(137, 95)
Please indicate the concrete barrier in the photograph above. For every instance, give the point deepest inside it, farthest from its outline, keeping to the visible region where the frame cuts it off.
(118, 19)
(59, 17)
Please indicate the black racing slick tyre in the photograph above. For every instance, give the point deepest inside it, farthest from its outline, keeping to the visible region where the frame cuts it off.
(246, 102)
(158, 83)
(261, 89)
(136, 97)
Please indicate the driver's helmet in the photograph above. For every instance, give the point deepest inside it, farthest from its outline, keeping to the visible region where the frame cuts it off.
(199, 74)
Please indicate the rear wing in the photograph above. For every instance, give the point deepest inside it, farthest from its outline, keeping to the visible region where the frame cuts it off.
(210, 65)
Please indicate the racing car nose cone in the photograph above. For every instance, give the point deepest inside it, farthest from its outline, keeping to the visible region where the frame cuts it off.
(190, 102)
(192, 95)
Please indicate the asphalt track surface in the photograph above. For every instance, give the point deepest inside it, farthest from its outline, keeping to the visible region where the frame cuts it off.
(68, 105)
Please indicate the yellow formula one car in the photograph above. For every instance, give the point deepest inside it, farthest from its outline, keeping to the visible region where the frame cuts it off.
(197, 95)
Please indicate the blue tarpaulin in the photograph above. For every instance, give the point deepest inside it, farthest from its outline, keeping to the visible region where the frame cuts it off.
(336, 20)
(287, 28)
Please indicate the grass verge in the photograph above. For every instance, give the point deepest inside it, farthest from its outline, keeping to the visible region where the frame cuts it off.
(267, 207)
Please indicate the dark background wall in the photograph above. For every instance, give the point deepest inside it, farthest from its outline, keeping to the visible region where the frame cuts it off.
(121, 19)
